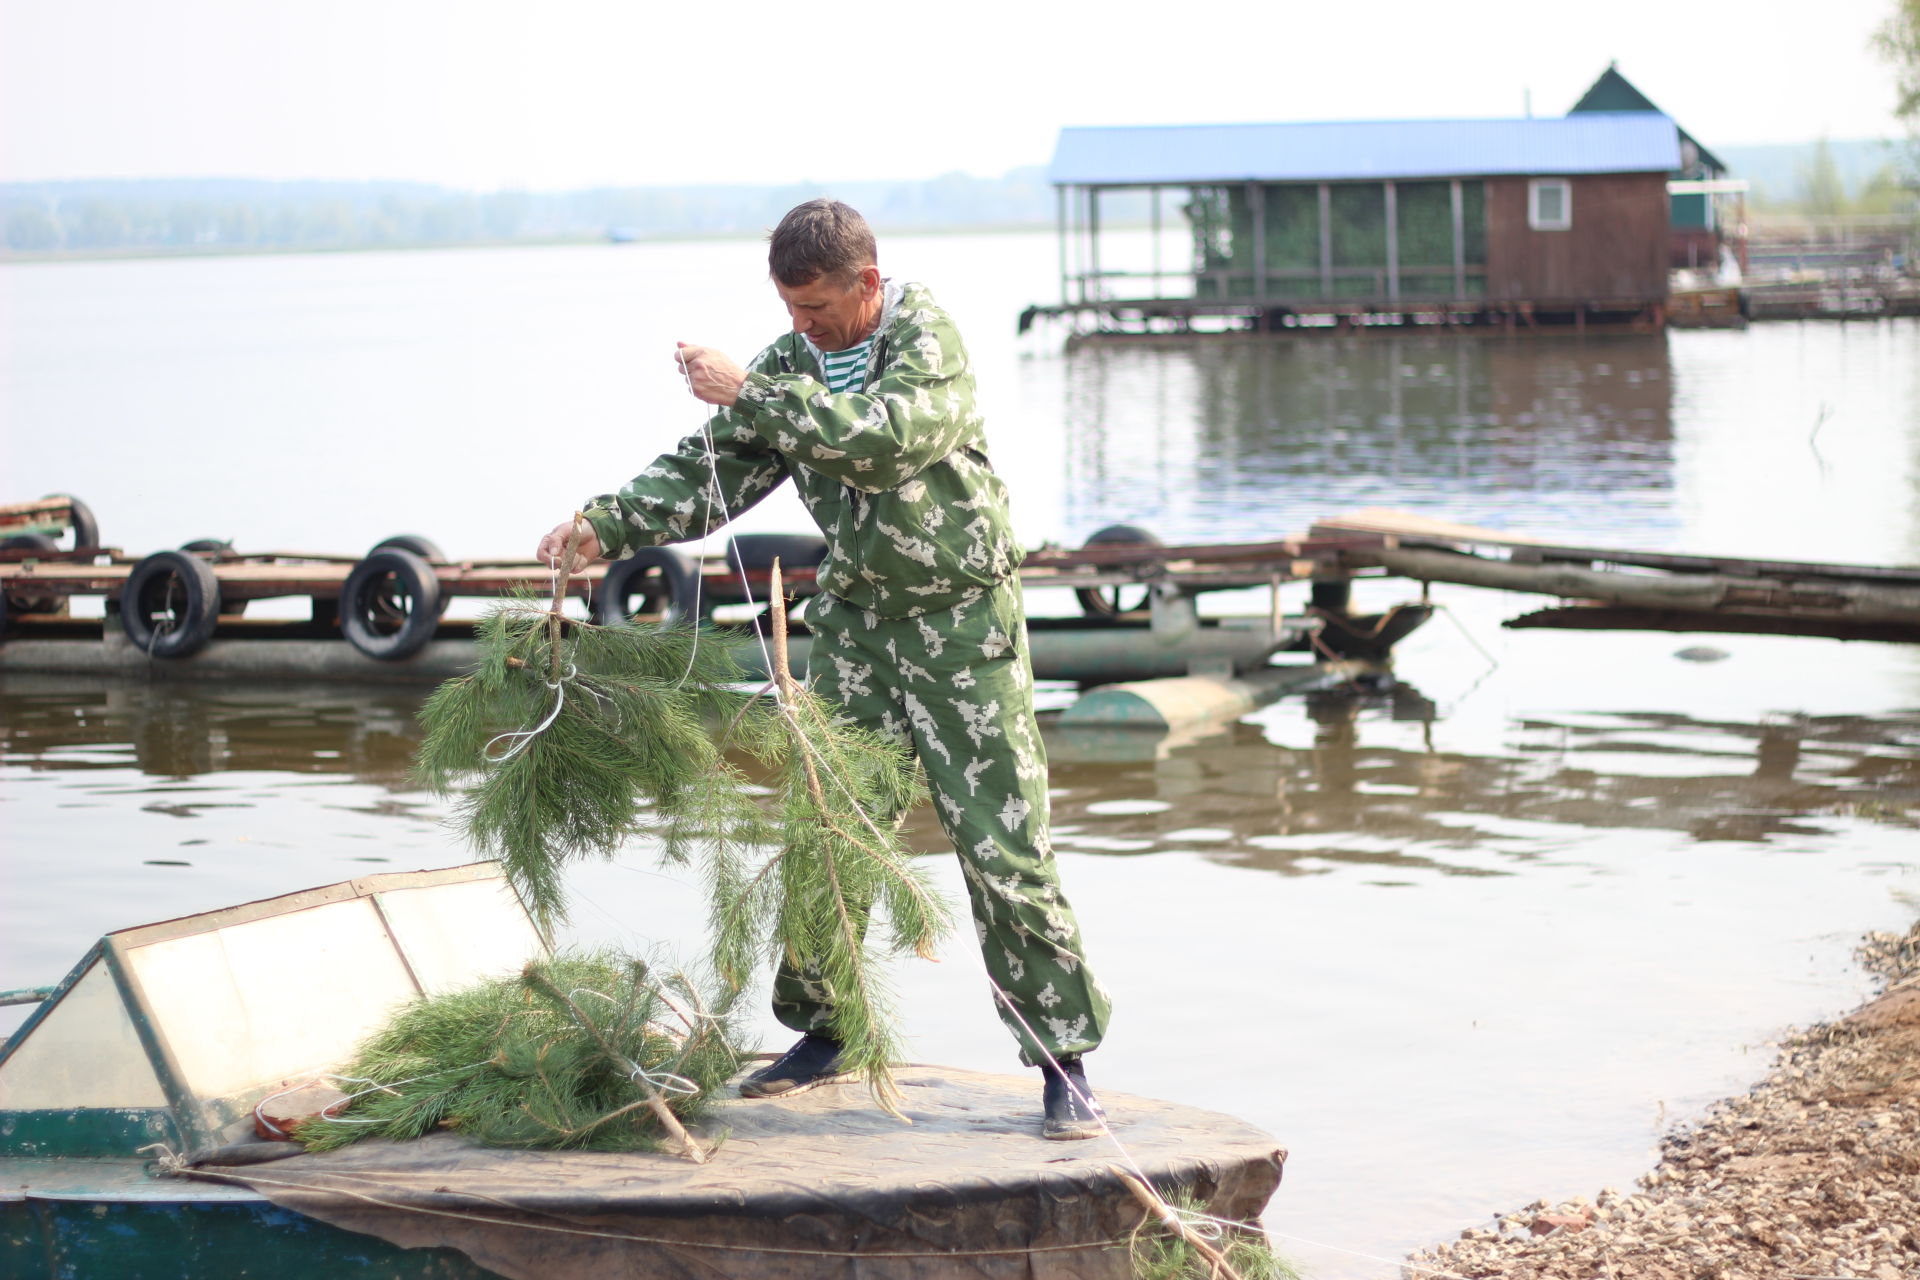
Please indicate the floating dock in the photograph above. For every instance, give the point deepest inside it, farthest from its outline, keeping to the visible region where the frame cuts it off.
(185, 612)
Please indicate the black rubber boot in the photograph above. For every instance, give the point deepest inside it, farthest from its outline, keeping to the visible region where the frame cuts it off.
(815, 1059)
(1072, 1112)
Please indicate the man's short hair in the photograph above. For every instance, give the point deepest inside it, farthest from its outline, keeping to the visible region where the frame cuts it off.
(820, 238)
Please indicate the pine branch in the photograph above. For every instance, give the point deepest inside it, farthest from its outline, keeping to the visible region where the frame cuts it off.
(568, 739)
(523, 1062)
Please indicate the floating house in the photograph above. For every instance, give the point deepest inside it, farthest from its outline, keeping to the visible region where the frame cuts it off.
(1705, 206)
(1525, 221)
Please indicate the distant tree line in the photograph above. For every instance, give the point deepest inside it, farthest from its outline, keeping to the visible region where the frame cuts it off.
(214, 215)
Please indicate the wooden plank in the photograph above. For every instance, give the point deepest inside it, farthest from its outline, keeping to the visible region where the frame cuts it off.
(41, 511)
(1406, 529)
(1696, 592)
(1198, 567)
(1594, 617)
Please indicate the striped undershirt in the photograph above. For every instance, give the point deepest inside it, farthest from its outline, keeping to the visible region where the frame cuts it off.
(847, 370)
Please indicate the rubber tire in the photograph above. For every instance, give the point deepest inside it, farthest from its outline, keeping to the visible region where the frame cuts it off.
(86, 529)
(665, 579)
(215, 549)
(390, 583)
(1095, 604)
(426, 548)
(151, 584)
(760, 550)
(30, 604)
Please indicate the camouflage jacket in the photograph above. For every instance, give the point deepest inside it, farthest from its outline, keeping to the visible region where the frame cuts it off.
(896, 475)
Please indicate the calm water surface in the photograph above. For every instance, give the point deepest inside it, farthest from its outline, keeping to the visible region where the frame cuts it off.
(1475, 941)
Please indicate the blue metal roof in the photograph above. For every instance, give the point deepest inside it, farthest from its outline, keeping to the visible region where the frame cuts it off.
(1592, 142)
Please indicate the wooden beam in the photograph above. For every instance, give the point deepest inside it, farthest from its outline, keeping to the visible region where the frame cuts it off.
(1459, 239)
(1406, 529)
(1257, 204)
(1060, 223)
(1156, 240)
(1093, 237)
(1602, 617)
(1701, 593)
(1393, 238)
(1326, 242)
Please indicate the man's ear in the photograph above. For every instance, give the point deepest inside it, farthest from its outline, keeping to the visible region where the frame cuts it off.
(869, 281)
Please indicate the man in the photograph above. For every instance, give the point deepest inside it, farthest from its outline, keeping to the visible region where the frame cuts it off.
(918, 629)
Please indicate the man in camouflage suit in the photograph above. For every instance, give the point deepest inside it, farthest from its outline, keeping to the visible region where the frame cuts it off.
(918, 630)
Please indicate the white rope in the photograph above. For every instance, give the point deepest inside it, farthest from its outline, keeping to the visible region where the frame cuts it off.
(1207, 1225)
(664, 1081)
(375, 1086)
(1215, 1225)
(726, 518)
(526, 736)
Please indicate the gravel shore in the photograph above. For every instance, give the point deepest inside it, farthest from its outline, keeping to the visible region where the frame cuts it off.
(1813, 1173)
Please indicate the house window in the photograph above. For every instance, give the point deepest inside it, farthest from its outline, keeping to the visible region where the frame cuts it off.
(1549, 204)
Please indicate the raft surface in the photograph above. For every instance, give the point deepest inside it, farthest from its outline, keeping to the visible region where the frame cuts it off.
(819, 1185)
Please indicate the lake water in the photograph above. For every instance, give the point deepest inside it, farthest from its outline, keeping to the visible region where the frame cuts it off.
(1471, 943)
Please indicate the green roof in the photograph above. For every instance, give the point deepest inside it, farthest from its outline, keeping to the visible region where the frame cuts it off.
(1614, 92)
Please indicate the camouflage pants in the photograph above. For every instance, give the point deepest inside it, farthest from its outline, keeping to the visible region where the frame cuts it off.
(958, 686)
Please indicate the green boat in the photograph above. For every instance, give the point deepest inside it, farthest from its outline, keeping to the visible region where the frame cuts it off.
(150, 1060)
(163, 1039)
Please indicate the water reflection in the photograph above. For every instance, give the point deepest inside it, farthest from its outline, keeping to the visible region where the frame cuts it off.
(1337, 778)
(1351, 779)
(190, 730)
(1229, 439)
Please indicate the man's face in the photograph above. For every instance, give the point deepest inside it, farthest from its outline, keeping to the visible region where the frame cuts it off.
(832, 315)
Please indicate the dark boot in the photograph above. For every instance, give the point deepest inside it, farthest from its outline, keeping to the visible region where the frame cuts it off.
(815, 1059)
(1072, 1112)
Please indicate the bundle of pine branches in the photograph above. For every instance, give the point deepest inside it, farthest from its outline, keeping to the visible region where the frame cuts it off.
(554, 743)
(570, 738)
(592, 1051)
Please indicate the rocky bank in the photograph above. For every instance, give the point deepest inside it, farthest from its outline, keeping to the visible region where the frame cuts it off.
(1813, 1173)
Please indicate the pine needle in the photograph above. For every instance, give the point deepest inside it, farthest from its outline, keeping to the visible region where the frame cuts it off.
(1161, 1252)
(565, 1055)
(548, 771)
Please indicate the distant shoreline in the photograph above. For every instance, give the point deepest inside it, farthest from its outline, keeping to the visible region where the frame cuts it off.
(152, 252)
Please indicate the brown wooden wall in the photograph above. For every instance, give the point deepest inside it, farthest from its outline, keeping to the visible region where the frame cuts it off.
(1616, 249)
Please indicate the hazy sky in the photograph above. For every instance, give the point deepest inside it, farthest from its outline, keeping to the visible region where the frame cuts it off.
(569, 93)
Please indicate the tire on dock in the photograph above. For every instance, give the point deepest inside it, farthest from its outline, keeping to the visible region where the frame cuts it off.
(17, 602)
(216, 549)
(390, 605)
(667, 582)
(426, 548)
(86, 529)
(168, 604)
(1107, 602)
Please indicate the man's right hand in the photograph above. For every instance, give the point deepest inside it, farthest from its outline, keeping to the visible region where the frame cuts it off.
(554, 545)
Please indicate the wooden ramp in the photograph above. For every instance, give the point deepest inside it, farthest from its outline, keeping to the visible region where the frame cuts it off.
(1623, 589)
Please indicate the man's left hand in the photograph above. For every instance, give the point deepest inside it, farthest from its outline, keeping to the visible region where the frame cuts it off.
(712, 375)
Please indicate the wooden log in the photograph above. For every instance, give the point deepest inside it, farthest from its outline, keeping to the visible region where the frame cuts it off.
(1406, 529)
(1700, 593)
(1601, 617)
